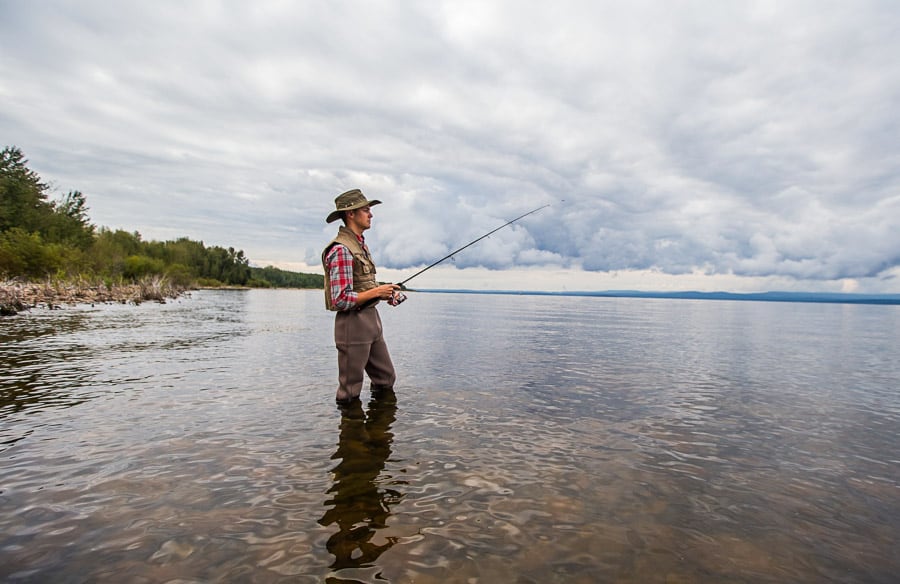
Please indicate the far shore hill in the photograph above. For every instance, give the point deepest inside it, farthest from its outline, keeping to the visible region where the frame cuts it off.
(824, 297)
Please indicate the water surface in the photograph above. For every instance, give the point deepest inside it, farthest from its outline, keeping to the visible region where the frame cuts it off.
(529, 439)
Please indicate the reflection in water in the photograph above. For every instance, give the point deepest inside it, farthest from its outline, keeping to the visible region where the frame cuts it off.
(361, 497)
(544, 440)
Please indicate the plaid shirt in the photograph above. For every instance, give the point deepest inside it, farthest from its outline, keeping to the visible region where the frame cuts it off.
(340, 271)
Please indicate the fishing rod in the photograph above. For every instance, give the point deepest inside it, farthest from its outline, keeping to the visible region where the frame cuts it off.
(397, 297)
(451, 254)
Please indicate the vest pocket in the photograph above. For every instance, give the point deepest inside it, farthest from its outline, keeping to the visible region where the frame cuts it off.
(365, 265)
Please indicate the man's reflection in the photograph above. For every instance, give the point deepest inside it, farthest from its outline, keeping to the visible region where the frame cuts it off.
(361, 501)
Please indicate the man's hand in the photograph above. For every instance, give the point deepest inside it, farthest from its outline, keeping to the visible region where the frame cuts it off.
(383, 292)
(386, 291)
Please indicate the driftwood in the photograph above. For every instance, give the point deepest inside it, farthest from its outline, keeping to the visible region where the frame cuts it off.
(17, 296)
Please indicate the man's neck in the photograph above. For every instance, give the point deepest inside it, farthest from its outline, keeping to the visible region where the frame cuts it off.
(355, 231)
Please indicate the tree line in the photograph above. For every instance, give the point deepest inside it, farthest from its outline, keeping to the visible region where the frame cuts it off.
(42, 238)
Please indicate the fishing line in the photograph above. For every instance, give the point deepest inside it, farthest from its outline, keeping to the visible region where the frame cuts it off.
(473, 242)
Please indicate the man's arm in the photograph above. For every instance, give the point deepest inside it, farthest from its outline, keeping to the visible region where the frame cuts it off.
(340, 272)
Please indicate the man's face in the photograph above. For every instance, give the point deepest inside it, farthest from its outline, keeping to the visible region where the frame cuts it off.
(361, 218)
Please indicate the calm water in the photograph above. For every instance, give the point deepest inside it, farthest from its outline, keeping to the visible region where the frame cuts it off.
(531, 439)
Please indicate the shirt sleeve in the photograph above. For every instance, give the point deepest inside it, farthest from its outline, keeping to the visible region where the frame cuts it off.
(340, 272)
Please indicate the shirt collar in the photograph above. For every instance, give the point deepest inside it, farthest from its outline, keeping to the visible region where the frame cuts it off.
(359, 238)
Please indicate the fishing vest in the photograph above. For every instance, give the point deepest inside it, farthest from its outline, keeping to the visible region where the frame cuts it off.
(363, 266)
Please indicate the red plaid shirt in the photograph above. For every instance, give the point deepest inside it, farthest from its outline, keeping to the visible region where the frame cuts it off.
(340, 271)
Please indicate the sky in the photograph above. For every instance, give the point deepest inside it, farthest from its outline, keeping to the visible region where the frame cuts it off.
(680, 145)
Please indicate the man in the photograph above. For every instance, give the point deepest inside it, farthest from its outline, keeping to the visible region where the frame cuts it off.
(352, 291)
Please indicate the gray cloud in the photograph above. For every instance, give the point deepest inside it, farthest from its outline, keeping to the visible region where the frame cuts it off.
(755, 139)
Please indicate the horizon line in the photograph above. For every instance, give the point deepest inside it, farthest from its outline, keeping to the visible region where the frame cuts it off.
(768, 296)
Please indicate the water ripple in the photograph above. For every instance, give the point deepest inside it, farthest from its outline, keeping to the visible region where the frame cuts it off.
(530, 439)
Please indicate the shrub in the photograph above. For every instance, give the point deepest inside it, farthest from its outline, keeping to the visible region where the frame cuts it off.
(25, 254)
(138, 266)
(180, 275)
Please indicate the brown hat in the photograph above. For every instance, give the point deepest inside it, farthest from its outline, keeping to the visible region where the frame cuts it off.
(353, 199)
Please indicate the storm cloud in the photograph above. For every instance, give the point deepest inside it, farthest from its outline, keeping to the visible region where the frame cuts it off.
(749, 139)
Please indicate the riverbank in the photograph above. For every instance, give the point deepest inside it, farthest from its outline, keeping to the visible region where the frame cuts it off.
(16, 296)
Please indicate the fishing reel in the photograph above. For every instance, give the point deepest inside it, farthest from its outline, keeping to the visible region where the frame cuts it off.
(396, 298)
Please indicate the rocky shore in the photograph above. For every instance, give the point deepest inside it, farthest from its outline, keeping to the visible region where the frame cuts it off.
(16, 296)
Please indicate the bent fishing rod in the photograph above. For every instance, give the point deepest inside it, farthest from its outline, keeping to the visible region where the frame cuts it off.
(453, 253)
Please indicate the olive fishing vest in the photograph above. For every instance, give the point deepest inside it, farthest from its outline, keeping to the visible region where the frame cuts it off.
(363, 266)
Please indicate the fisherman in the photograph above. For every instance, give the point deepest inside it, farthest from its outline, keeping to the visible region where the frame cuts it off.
(352, 291)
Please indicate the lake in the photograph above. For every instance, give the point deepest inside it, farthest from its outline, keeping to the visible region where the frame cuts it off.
(530, 439)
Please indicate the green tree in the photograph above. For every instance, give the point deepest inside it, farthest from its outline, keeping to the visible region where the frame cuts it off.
(225, 265)
(284, 279)
(40, 238)
(69, 223)
(23, 197)
(110, 248)
(187, 253)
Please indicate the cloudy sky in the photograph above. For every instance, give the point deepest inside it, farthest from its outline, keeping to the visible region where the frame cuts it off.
(728, 145)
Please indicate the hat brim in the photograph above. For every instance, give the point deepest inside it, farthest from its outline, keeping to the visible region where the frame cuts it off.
(335, 215)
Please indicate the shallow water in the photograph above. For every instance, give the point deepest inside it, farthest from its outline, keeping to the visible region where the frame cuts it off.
(530, 439)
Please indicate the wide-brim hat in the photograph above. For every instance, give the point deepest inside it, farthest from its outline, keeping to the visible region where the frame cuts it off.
(352, 199)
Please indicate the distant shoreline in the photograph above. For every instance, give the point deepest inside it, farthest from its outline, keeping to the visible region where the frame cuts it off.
(808, 297)
(16, 297)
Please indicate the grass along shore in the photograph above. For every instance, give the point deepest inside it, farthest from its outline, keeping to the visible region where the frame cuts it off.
(17, 296)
